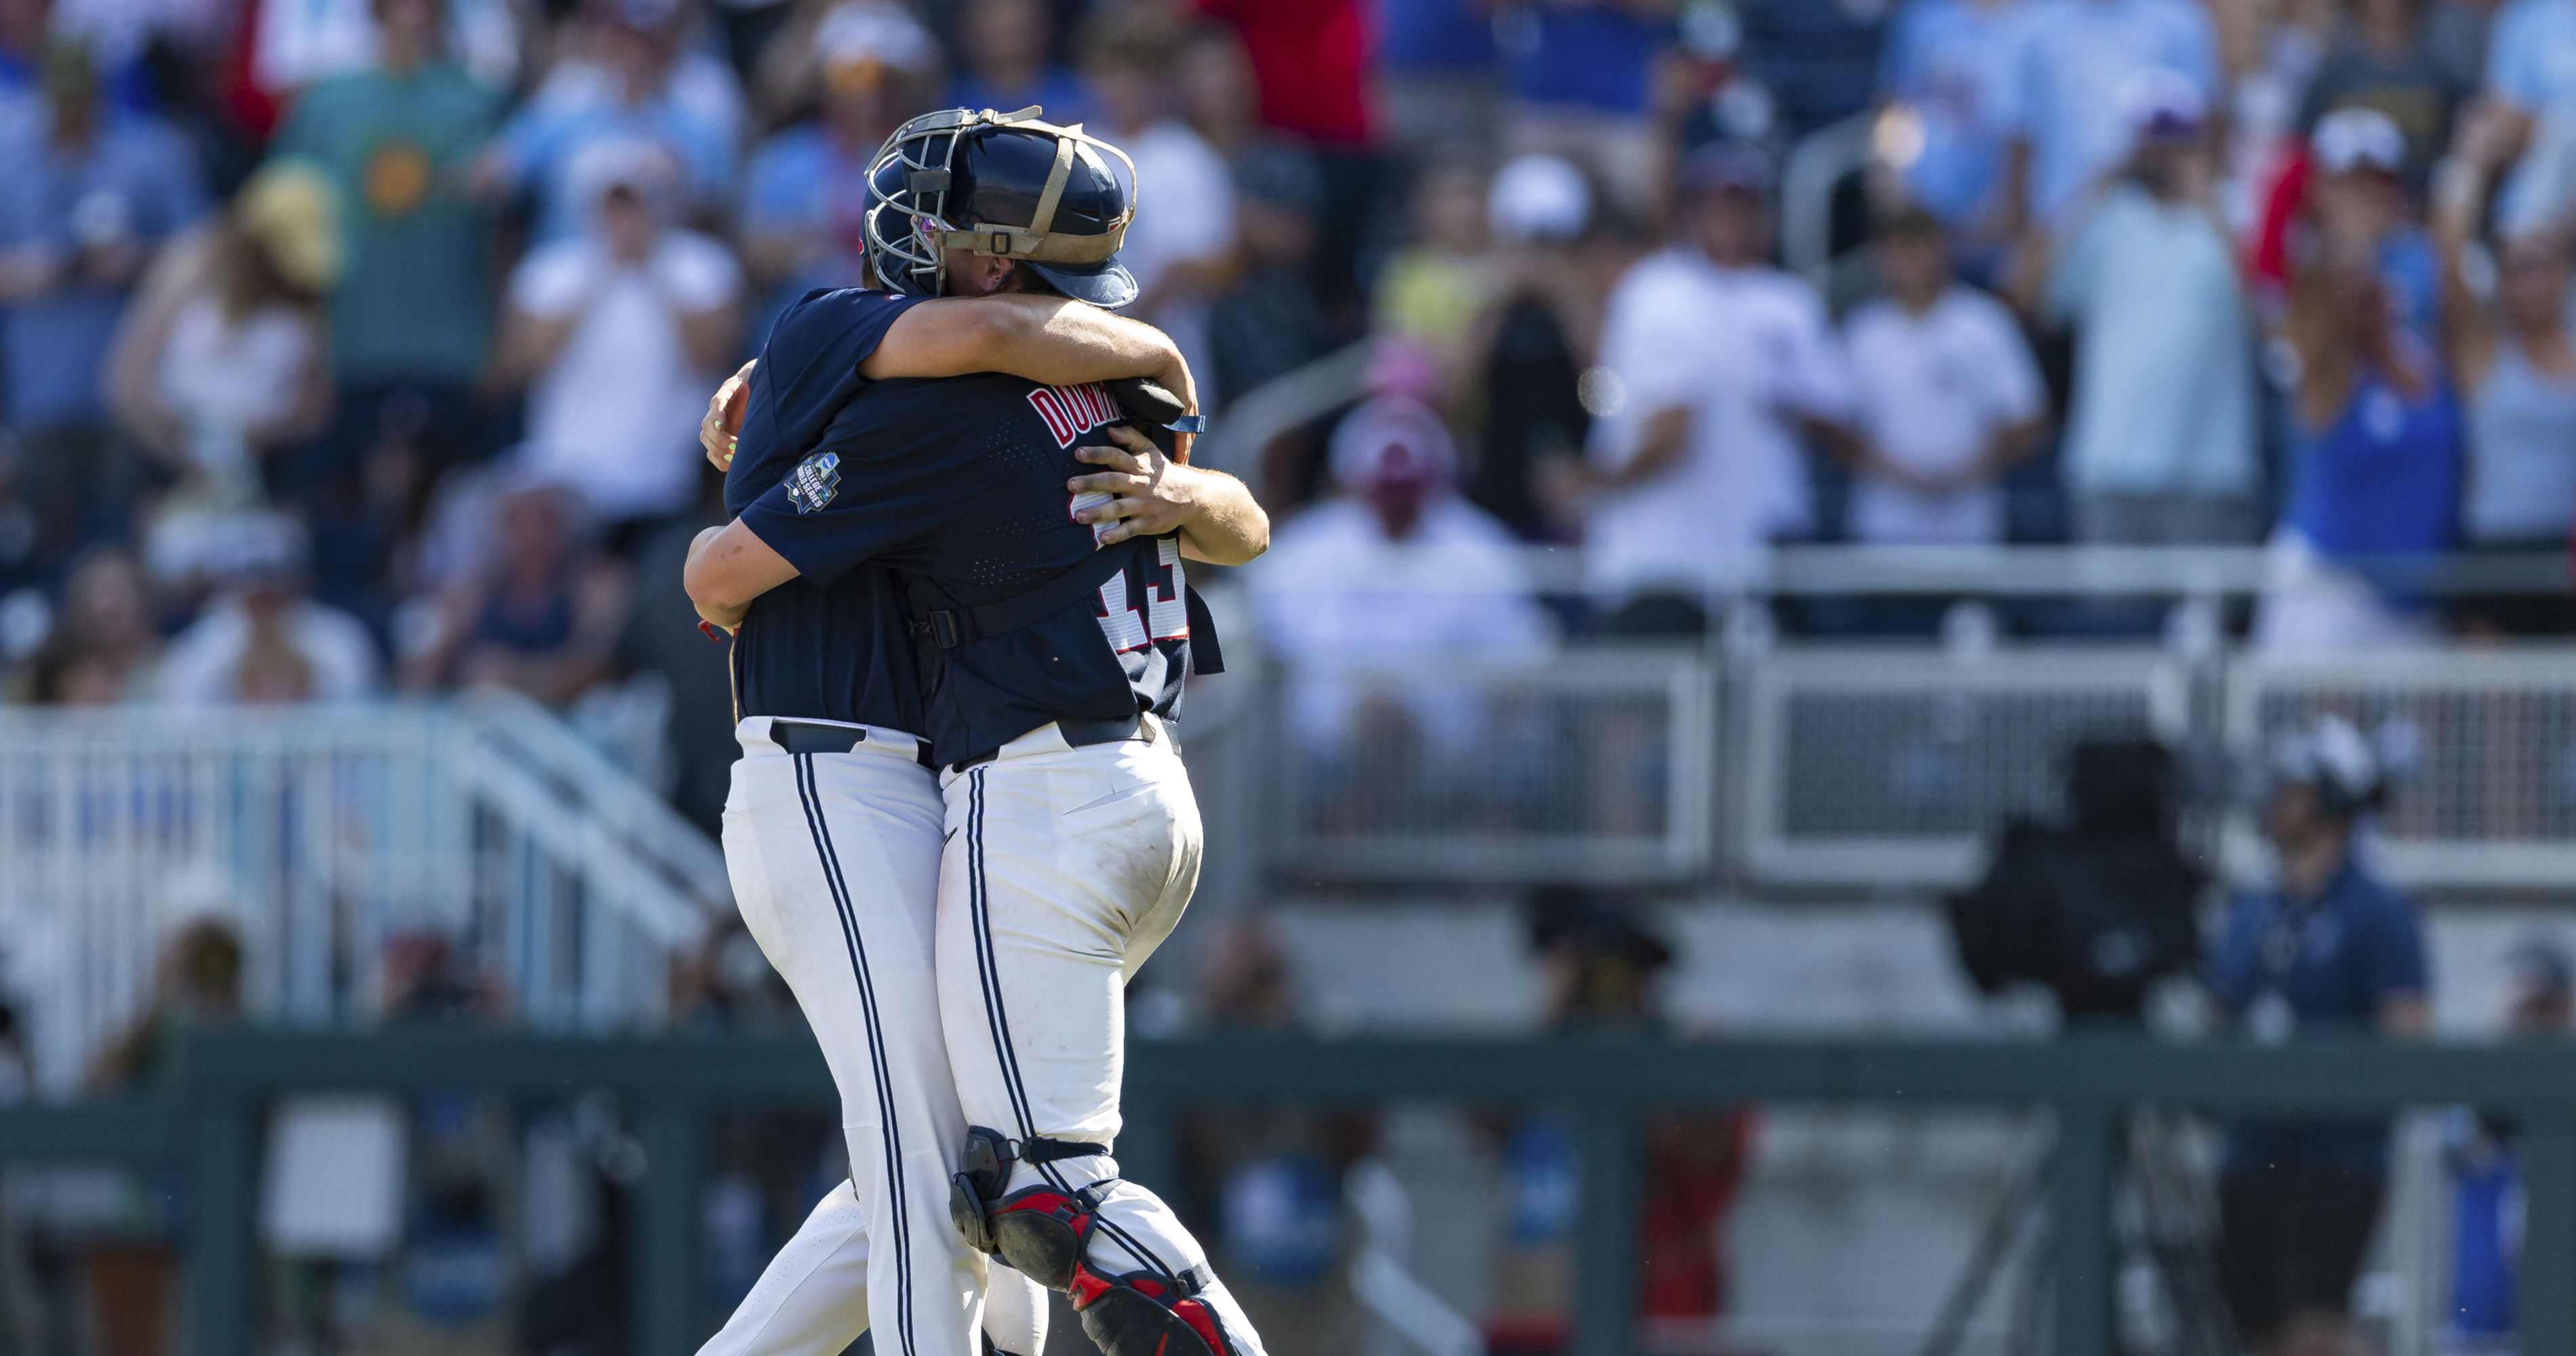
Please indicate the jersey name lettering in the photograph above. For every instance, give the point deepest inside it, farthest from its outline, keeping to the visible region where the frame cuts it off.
(1167, 609)
(1071, 411)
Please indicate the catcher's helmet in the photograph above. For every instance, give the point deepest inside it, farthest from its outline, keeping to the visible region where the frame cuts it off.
(1000, 184)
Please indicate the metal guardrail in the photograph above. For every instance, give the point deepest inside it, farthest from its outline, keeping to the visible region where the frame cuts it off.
(1866, 768)
(1590, 764)
(209, 1124)
(1857, 766)
(320, 833)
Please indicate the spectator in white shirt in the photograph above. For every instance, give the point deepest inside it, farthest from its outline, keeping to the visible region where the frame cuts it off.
(1399, 555)
(2160, 437)
(621, 329)
(1181, 245)
(1949, 397)
(263, 641)
(1717, 364)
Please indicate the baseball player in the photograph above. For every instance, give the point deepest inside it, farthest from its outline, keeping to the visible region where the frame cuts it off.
(832, 831)
(1055, 634)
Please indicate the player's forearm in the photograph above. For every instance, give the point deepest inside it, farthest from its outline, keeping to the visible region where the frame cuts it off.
(1042, 339)
(1229, 527)
(728, 567)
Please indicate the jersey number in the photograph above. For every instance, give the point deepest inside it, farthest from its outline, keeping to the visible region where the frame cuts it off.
(1167, 611)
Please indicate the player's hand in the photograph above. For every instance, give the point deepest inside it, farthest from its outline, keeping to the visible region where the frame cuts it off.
(724, 418)
(1149, 495)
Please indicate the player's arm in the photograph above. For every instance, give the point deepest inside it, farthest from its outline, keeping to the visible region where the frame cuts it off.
(728, 567)
(1216, 515)
(1040, 338)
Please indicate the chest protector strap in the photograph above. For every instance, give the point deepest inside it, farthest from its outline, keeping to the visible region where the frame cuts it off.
(943, 623)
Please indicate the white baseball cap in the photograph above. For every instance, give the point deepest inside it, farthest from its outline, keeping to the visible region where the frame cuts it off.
(2351, 139)
(2160, 103)
(1538, 197)
(874, 33)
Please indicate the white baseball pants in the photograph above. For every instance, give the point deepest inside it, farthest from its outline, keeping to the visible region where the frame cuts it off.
(834, 859)
(1065, 867)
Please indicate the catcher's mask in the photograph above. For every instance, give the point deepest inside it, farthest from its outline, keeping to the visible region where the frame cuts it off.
(1001, 184)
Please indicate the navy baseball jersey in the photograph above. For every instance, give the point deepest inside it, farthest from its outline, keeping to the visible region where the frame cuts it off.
(839, 649)
(962, 482)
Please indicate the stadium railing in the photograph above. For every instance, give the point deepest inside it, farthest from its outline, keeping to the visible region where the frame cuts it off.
(208, 1126)
(321, 833)
(1879, 764)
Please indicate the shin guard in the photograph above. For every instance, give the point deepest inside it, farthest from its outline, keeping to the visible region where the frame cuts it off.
(1143, 1314)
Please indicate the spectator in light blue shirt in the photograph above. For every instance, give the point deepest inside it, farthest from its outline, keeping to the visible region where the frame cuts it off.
(806, 194)
(90, 193)
(1004, 46)
(641, 87)
(2160, 437)
(2074, 60)
(1945, 78)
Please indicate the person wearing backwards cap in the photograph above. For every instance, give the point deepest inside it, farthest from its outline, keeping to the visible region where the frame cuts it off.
(2328, 947)
(1716, 363)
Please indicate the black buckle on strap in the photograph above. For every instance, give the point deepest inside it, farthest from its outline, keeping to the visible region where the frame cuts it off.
(942, 629)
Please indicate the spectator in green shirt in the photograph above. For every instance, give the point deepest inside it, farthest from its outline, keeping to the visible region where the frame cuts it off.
(411, 321)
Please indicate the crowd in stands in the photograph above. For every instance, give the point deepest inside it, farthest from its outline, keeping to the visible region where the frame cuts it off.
(358, 345)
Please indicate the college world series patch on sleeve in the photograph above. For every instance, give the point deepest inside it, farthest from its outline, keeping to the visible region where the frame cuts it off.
(814, 481)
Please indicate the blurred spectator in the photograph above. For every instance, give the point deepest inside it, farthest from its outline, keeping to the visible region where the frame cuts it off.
(1398, 545)
(1539, 211)
(661, 636)
(2358, 206)
(1719, 362)
(871, 65)
(1438, 78)
(2375, 468)
(629, 79)
(298, 48)
(542, 614)
(2329, 947)
(1948, 397)
(1601, 969)
(2516, 365)
(129, 1278)
(262, 640)
(1270, 322)
(621, 329)
(92, 193)
(1181, 251)
(2531, 73)
(1436, 292)
(2484, 1158)
(221, 361)
(2160, 438)
(1946, 82)
(1310, 65)
(2383, 58)
(1003, 47)
(103, 649)
(1580, 75)
(727, 984)
(22, 52)
(2074, 64)
(413, 308)
(1213, 82)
